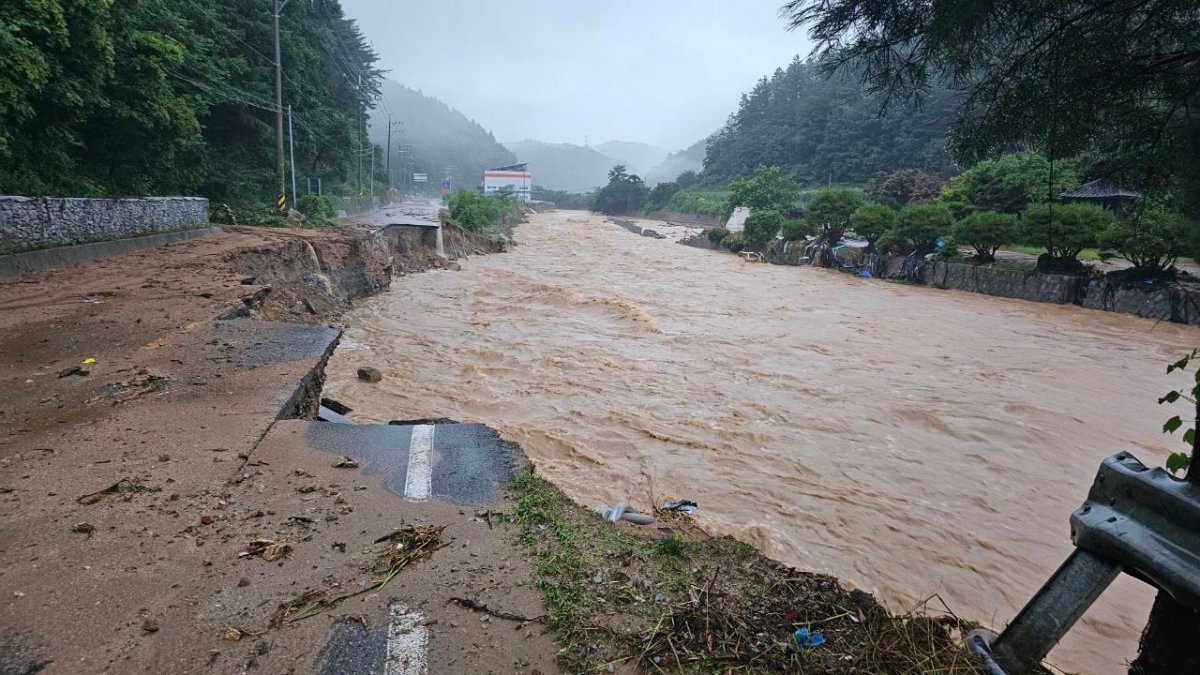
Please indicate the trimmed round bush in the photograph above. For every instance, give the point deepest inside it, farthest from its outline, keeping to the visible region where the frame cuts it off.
(986, 231)
(1065, 229)
(795, 229)
(870, 221)
(919, 226)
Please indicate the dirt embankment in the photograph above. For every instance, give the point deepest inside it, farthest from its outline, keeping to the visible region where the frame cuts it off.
(128, 477)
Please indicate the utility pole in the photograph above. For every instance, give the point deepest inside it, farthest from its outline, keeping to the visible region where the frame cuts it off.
(388, 160)
(359, 134)
(281, 203)
(292, 152)
(372, 175)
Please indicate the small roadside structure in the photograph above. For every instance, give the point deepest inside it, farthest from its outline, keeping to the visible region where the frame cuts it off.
(1106, 195)
(514, 178)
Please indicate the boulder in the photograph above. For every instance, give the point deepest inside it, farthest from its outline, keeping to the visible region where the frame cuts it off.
(369, 374)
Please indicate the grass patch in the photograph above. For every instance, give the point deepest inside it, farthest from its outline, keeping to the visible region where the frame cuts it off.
(683, 602)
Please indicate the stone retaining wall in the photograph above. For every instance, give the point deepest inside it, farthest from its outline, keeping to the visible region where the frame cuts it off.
(1174, 301)
(28, 224)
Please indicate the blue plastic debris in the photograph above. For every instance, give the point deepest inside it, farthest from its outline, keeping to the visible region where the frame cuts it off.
(941, 243)
(807, 640)
(864, 274)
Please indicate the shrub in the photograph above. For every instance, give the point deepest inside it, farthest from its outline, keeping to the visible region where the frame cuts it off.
(870, 221)
(832, 209)
(795, 229)
(761, 228)
(482, 214)
(317, 209)
(1150, 240)
(918, 228)
(1064, 229)
(734, 242)
(769, 190)
(716, 234)
(949, 249)
(222, 214)
(985, 232)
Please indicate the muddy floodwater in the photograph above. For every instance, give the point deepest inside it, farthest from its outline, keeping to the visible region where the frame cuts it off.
(908, 440)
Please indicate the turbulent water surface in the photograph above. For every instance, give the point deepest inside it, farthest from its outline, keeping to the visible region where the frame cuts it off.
(911, 441)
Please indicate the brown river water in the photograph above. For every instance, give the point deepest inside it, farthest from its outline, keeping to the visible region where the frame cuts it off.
(908, 440)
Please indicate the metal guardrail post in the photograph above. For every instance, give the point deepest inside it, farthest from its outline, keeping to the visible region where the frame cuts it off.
(1047, 617)
(1137, 520)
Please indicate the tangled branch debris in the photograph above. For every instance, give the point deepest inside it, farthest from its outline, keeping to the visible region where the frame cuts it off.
(126, 487)
(405, 546)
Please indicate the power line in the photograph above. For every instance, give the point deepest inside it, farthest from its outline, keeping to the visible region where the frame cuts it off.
(225, 94)
(229, 30)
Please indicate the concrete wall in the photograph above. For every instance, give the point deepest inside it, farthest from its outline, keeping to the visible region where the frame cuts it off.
(28, 224)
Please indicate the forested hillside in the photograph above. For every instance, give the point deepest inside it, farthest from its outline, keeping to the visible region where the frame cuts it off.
(690, 158)
(563, 166)
(827, 130)
(435, 137)
(135, 97)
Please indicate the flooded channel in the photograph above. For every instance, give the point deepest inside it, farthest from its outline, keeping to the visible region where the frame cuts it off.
(908, 440)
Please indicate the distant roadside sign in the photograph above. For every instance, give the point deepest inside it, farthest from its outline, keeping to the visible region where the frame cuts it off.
(420, 178)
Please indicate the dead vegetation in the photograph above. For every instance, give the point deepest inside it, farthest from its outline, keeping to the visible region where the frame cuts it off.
(672, 599)
(404, 546)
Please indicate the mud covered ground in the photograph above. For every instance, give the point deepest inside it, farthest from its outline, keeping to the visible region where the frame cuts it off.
(134, 486)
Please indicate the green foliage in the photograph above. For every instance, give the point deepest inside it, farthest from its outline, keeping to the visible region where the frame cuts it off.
(1007, 184)
(579, 201)
(918, 228)
(1064, 229)
(795, 229)
(661, 195)
(761, 228)
(871, 221)
(735, 242)
(903, 187)
(716, 234)
(133, 97)
(1188, 461)
(823, 130)
(986, 232)
(687, 179)
(671, 546)
(625, 193)
(317, 210)
(1058, 75)
(832, 209)
(769, 190)
(1152, 239)
(699, 201)
(482, 214)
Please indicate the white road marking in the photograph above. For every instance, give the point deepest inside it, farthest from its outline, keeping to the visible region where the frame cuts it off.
(418, 484)
(407, 643)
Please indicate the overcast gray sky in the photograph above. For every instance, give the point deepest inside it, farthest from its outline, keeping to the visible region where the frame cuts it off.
(666, 72)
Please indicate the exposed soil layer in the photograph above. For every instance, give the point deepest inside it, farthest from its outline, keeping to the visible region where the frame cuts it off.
(133, 477)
